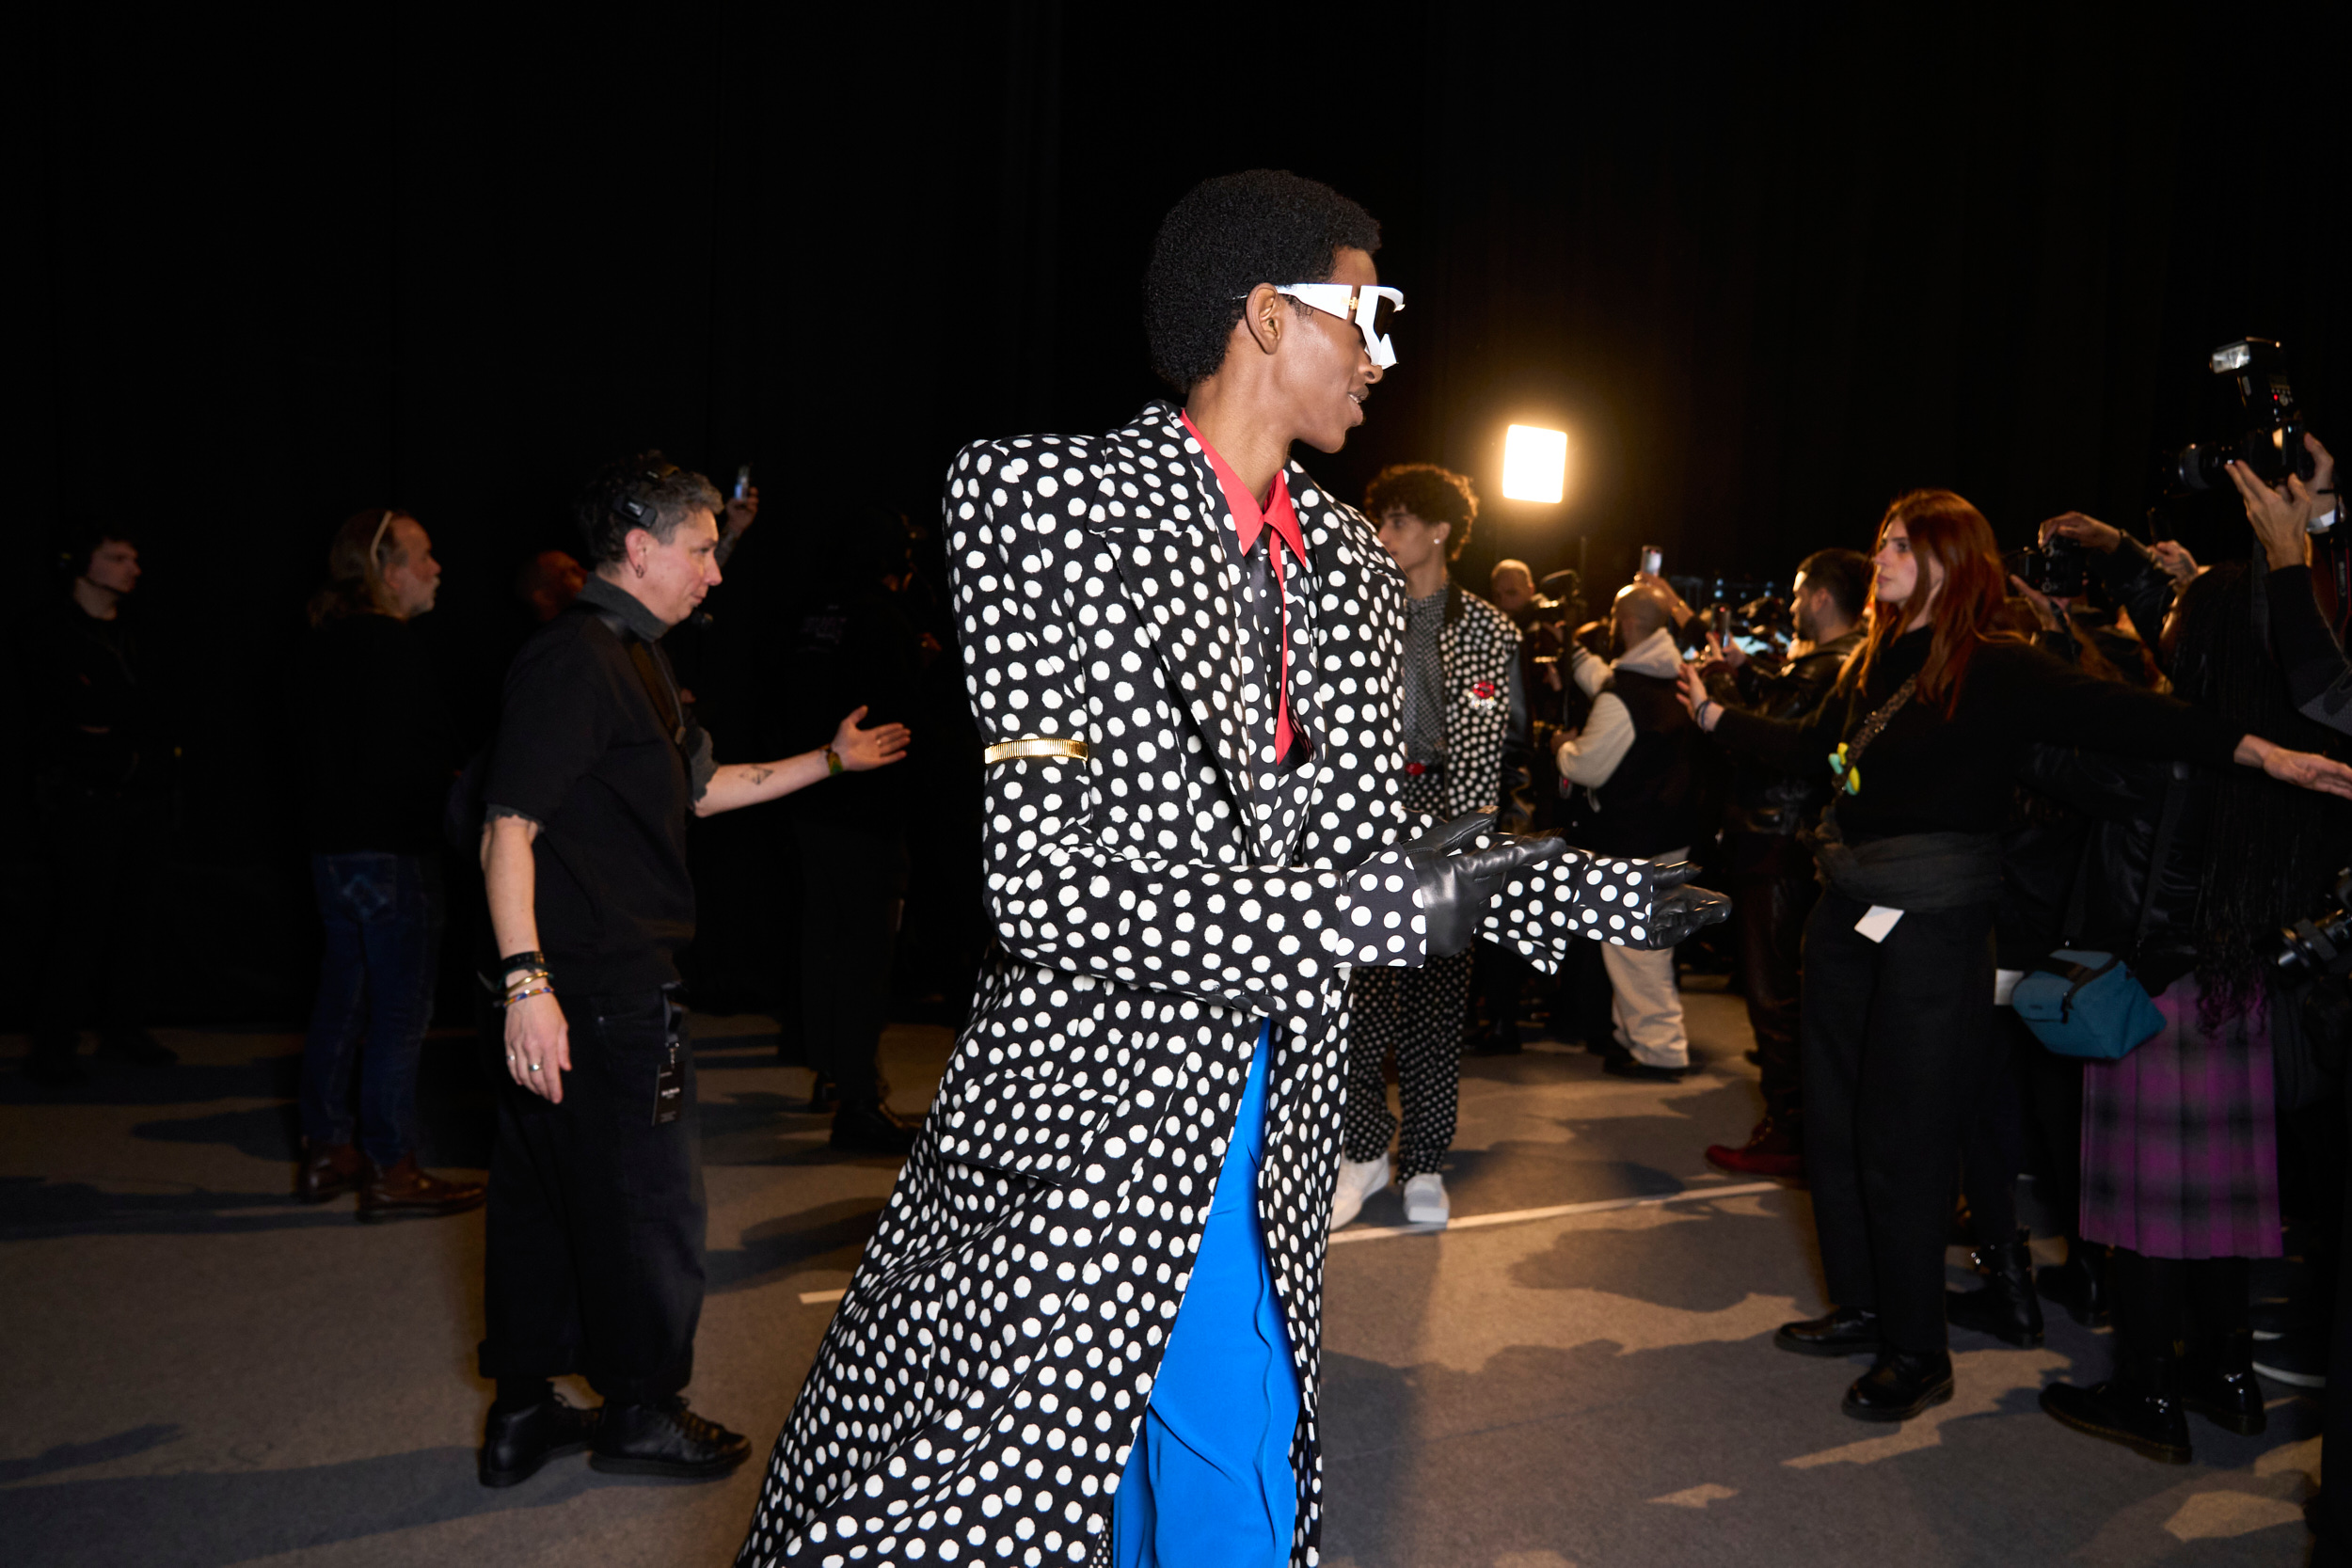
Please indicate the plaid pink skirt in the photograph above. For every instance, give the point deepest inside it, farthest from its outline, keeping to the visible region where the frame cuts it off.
(2181, 1140)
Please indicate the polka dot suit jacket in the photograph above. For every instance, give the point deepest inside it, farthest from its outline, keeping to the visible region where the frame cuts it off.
(1153, 902)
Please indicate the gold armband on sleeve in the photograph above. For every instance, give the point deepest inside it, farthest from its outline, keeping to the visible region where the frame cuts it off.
(1036, 746)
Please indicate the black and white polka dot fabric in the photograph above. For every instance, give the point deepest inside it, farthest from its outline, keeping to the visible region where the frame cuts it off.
(976, 1392)
(1415, 1015)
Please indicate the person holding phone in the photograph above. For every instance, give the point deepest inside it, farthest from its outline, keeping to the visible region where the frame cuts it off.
(1918, 744)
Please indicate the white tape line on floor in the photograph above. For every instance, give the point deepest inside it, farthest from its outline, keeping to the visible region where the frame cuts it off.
(1516, 1216)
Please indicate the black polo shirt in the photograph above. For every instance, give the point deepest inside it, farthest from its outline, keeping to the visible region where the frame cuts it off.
(582, 752)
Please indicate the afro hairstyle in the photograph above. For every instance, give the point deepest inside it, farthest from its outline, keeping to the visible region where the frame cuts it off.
(1432, 493)
(1223, 239)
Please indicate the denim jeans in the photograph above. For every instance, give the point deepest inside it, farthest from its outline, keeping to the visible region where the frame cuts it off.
(383, 916)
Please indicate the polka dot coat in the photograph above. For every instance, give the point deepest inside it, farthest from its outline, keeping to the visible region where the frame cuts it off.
(1152, 903)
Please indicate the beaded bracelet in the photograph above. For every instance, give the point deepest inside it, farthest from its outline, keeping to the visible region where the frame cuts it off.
(515, 996)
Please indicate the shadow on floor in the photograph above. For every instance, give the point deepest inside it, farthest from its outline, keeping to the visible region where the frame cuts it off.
(218, 1517)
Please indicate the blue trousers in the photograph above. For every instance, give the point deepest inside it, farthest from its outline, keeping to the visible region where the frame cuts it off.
(383, 916)
(1208, 1484)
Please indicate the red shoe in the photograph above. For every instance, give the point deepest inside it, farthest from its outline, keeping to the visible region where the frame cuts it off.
(1769, 1151)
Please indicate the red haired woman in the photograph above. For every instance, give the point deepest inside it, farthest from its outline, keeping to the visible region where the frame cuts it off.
(1920, 739)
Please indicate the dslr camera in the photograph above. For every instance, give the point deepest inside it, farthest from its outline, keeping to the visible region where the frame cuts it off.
(2057, 568)
(2322, 945)
(2266, 428)
(1552, 617)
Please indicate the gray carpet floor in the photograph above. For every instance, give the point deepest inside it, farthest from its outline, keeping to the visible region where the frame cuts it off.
(196, 1372)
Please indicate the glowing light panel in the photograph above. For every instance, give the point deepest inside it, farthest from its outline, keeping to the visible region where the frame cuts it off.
(1534, 463)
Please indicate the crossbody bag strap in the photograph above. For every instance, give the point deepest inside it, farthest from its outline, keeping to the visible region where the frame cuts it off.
(2160, 854)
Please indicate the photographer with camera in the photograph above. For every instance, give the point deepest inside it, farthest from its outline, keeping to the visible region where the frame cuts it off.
(2190, 874)
(1898, 990)
(1773, 882)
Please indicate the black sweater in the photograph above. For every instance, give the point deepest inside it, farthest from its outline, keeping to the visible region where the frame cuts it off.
(379, 745)
(1927, 774)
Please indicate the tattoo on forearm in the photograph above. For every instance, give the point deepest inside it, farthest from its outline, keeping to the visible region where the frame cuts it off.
(758, 775)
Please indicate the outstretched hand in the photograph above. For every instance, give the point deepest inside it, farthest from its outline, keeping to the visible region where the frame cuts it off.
(861, 751)
(1694, 696)
(2304, 769)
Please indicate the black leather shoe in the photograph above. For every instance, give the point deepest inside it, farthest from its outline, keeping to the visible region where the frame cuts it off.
(1621, 1063)
(1898, 1387)
(2079, 1284)
(515, 1442)
(2007, 1307)
(665, 1440)
(2135, 1408)
(135, 1045)
(871, 1130)
(2220, 1386)
(1846, 1331)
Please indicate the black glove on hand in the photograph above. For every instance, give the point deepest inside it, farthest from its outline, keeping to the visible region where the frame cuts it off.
(1678, 911)
(1456, 880)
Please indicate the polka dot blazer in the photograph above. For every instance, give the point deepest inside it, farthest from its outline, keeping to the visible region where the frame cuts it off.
(1154, 900)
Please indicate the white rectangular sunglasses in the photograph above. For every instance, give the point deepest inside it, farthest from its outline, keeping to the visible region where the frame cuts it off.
(1353, 302)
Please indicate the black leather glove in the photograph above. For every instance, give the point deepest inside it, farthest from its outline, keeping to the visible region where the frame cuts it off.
(1679, 910)
(1457, 880)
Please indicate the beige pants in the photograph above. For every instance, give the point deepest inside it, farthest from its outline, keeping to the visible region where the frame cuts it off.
(1645, 1002)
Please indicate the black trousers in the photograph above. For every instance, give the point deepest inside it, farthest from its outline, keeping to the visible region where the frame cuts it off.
(101, 857)
(1768, 913)
(854, 888)
(1895, 1036)
(595, 1230)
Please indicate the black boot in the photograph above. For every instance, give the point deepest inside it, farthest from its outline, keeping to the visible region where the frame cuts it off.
(2079, 1284)
(665, 1440)
(1900, 1385)
(515, 1443)
(2007, 1308)
(1845, 1331)
(2220, 1384)
(2138, 1407)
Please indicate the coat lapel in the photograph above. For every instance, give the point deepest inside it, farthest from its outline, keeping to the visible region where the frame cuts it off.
(1183, 587)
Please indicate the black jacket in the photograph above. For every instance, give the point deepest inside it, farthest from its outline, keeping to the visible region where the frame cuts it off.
(2124, 798)
(1655, 799)
(1765, 800)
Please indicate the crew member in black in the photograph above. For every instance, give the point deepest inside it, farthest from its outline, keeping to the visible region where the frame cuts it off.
(852, 648)
(1772, 870)
(1920, 742)
(596, 1219)
(101, 791)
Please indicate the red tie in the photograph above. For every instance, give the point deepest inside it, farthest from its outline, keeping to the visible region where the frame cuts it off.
(1249, 520)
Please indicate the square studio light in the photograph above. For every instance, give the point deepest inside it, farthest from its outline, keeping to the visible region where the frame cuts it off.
(1534, 463)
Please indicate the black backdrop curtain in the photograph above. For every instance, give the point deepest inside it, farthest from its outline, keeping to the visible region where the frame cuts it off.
(1768, 273)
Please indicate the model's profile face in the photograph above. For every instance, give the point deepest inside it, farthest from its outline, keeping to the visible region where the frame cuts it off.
(1411, 541)
(1323, 367)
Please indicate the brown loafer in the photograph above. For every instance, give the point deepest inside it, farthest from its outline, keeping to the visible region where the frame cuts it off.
(403, 1192)
(328, 1171)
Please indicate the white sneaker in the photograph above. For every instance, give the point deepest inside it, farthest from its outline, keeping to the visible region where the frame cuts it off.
(1358, 1179)
(1426, 1202)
